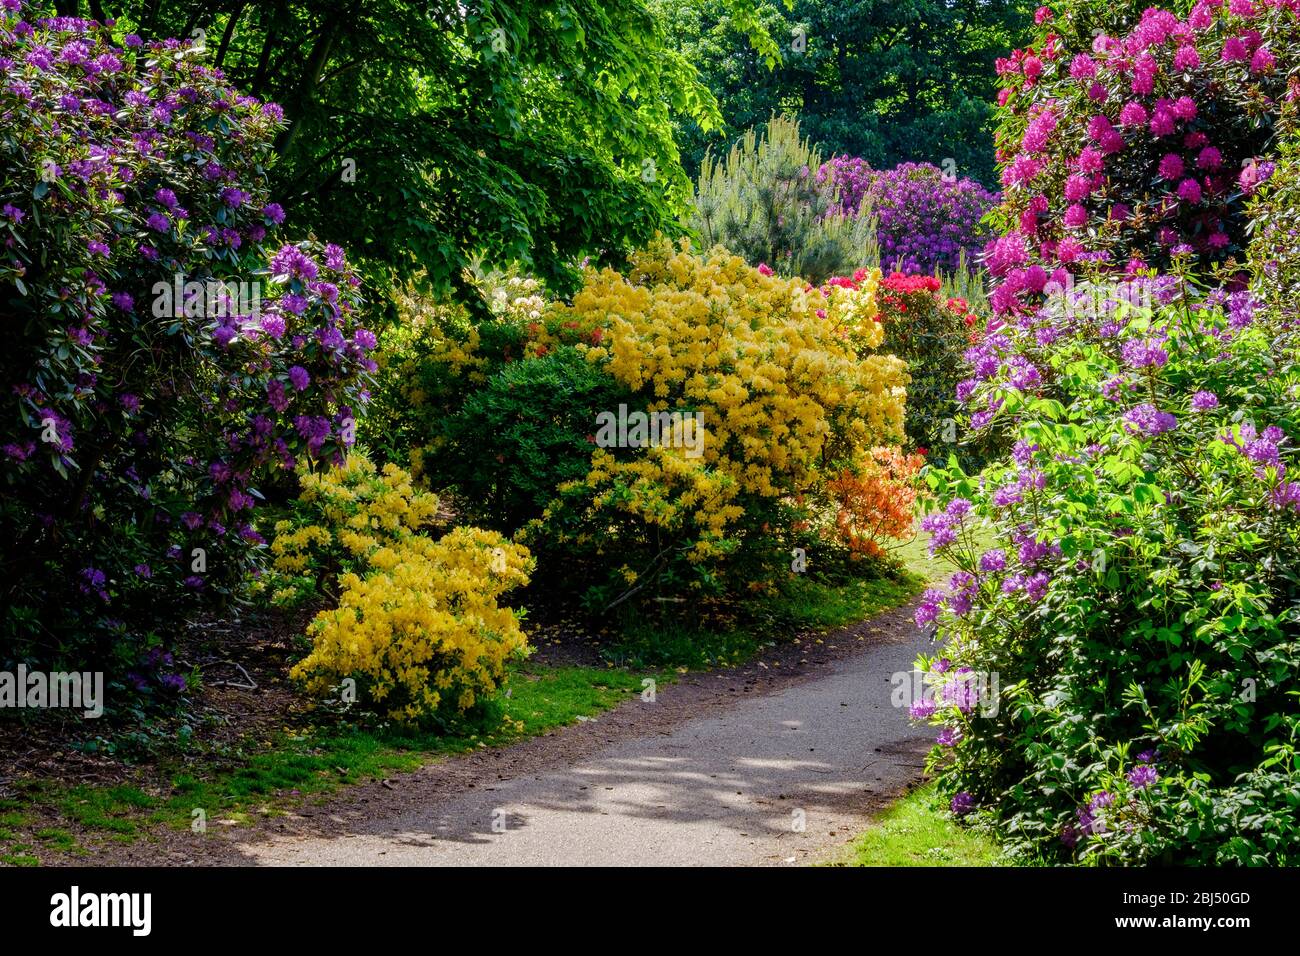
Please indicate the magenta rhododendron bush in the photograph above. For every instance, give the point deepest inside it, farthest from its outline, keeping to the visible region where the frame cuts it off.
(1130, 149)
(162, 347)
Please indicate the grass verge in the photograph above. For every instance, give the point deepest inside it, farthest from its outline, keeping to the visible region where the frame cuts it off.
(805, 604)
(919, 831)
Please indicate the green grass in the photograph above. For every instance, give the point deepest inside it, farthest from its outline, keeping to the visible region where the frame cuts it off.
(671, 643)
(915, 556)
(804, 604)
(543, 698)
(919, 831)
(269, 775)
(57, 838)
(808, 604)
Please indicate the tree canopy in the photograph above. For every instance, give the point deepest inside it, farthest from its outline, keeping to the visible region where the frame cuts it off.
(425, 136)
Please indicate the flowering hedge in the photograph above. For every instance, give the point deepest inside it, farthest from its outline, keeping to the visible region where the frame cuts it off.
(785, 377)
(143, 396)
(1119, 666)
(1137, 602)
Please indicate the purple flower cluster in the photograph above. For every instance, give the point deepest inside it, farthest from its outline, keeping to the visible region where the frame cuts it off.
(852, 178)
(1149, 421)
(943, 526)
(1139, 778)
(925, 219)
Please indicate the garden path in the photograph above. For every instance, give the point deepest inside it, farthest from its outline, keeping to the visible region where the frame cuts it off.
(781, 771)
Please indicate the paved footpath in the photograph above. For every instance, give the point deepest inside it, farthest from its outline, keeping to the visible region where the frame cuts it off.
(785, 777)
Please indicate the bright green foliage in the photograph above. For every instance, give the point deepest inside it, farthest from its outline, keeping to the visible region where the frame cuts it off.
(534, 419)
(1275, 215)
(1139, 612)
(764, 203)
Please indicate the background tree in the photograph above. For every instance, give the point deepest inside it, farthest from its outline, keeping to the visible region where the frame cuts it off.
(888, 80)
(765, 202)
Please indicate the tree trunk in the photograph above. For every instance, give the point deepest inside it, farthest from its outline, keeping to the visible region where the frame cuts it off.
(316, 61)
(264, 60)
(229, 32)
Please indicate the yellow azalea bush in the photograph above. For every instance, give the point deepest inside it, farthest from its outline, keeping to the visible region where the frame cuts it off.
(423, 634)
(783, 376)
(343, 515)
(417, 624)
(785, 382)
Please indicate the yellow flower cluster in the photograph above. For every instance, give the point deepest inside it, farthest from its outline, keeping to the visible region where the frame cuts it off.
(356, 508)
(417, 624)
(779, 372)
(423, 631)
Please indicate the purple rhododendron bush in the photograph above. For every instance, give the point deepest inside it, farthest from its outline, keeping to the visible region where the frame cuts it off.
(926, 219)
(163, 350)
(1120, 664)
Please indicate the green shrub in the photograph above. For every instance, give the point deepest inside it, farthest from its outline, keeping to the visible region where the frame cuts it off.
(436, 356)
(523, 434)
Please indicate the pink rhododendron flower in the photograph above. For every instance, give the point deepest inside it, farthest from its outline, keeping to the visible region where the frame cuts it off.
(1186, 58)
(1189, 190)
(1133, 114)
